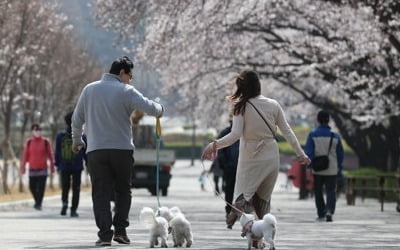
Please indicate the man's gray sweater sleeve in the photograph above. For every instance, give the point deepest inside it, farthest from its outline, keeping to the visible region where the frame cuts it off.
(138, 102)
(78, 119)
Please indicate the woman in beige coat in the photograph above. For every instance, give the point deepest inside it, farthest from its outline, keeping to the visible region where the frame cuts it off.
(255, 122)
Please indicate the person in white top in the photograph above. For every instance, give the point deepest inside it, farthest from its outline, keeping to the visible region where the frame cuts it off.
(255, 122)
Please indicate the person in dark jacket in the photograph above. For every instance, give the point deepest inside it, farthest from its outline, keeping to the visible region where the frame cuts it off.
(70, 166)
(322, 141)
(228, 160)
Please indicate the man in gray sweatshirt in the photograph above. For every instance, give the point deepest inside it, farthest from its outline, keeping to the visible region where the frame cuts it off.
(104, 108)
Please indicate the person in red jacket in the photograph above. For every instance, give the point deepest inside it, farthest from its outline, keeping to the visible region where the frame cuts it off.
(37, 151)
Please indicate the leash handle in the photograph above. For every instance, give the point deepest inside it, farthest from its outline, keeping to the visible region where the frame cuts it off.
(158, 127)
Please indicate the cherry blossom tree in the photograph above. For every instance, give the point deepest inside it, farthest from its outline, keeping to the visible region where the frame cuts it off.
(342, 56)
(42, 70)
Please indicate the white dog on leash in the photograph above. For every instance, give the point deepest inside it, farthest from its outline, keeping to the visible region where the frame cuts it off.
(157, 225)
(259, 229)
(179, 226)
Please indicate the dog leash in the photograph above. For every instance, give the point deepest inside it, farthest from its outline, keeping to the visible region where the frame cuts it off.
(158, 143)
(218, 193)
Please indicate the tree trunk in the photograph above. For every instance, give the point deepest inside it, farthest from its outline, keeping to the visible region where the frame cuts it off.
(6, 188)
(6, 154)
(21, 152)
(376, 146)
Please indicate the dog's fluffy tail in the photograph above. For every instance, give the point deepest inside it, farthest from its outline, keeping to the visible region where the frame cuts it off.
(148, 217)
(270, 219)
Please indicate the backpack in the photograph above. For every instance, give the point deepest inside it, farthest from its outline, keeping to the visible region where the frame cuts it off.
(67, 155)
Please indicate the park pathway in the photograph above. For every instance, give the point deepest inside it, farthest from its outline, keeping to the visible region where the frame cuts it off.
(355, 227)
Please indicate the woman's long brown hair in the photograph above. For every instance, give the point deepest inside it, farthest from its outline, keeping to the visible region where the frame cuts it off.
(248, 86)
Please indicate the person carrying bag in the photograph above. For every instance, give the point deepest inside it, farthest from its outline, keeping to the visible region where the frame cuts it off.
(321, 162)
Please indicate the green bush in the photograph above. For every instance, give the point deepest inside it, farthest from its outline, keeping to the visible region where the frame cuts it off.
(364, 171)
(183, 144)
(183, 151)
(186, 138)
(285, 148)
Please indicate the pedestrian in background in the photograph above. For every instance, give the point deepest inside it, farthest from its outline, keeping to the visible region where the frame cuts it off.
(105, 108)
(38, 154)
(70, 166)
(217, 175)
(202, 180)
(322, 141)
(228, 161)
(255, 121)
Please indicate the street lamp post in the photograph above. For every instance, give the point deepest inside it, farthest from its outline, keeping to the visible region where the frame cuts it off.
(193, 150)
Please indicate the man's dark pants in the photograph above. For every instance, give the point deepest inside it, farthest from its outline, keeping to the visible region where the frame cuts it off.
(110, 171)
(329, 182)
(37, 185)
(230, 179)
(66, 176)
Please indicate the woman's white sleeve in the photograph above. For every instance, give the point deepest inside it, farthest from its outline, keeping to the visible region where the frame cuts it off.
(234, 135)
(288, 133)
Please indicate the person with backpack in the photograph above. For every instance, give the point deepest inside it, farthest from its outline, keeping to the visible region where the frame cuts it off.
(70, 166)
(37, 153)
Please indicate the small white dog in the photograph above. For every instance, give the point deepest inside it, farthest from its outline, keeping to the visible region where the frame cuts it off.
(157, 225)
(179, 226)
(259, 229)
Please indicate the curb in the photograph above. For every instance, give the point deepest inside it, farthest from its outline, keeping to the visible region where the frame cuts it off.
(18, 205)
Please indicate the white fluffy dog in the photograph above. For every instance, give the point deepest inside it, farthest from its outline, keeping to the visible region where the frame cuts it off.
(259, 229)
(179, 226)
(157, 225)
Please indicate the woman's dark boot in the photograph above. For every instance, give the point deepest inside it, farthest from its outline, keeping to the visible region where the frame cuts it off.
(243, 206)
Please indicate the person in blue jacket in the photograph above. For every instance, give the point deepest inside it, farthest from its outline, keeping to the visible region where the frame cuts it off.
(70, 166)
(322, 141)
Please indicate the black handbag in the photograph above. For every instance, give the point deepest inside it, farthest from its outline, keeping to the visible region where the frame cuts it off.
(319, 163)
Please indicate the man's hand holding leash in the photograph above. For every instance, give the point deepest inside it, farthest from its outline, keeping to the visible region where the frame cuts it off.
(78, 146)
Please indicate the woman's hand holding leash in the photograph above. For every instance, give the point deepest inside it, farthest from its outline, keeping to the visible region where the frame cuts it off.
(210, 152)
(304, 160)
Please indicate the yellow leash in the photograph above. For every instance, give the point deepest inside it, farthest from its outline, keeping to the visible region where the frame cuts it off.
(158, 142)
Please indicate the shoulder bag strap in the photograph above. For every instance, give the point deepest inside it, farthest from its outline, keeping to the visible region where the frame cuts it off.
(262, 117)
(330, 143)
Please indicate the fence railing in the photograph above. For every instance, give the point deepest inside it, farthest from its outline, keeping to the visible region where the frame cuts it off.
(360, 185)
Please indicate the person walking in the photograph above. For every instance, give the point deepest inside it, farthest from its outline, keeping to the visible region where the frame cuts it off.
(70, 166)
(105, 107)
(217, 172)
(322, 141)
(38, 154)
(228, 161)
(255, 121)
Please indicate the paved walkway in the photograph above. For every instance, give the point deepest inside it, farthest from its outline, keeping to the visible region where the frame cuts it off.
(354, 227)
